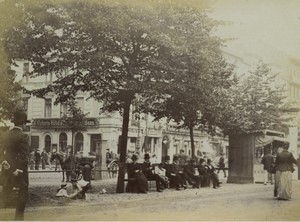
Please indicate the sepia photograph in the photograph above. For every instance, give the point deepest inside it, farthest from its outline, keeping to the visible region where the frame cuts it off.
(149, 110)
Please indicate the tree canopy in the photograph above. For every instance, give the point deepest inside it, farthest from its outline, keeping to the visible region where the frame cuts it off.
(160, 56)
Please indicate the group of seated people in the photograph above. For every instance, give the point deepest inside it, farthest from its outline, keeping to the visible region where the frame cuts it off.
(170, 175)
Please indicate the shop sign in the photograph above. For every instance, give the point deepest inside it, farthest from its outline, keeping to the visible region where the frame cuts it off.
(57, 123)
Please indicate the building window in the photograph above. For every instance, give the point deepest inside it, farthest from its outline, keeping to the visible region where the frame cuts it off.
(80, 103)
(26, 71)
(78, 142)
(47, 143)
(63, 141)
(49, 77)
(63, 109)
(34, 142)
(25, 104)
(48, 108)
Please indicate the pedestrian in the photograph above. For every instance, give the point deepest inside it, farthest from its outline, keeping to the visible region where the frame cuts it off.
(45, 159)
(268, 162)
(284, 168)
(15, 164)
(221, 164)
(37, 155)
(31, 160)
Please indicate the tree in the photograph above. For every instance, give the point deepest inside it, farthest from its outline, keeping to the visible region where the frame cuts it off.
(117, 53)
(9, 88)
(74, 119)
(201, 77)
(253, 103)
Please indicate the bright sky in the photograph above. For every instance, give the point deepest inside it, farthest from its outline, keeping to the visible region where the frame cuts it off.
(258, 22)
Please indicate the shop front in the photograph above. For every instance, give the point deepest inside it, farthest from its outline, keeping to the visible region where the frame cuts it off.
(52, 134)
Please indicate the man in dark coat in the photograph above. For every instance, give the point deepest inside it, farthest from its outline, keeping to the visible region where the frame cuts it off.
(212, 174)
(177, 170)
(15, 164)
(268, 162)
(148, 172)
(191, 173)
(203, 173)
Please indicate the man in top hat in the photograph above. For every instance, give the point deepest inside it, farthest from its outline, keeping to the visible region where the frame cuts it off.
(177, 170)
(148, 172)
(15, 163)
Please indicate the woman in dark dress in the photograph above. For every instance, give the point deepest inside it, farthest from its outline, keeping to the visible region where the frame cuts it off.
(135, 171)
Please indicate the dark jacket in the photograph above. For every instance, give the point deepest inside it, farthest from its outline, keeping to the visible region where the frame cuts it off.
(284, 161)
(16, 146)
(267, 161)
(190, 170)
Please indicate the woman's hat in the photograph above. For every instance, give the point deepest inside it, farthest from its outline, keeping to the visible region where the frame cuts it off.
(63, 185)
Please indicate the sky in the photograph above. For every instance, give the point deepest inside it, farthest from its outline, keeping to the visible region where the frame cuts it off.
(253, 23)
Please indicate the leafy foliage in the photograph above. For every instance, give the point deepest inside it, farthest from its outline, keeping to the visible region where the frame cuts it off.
(254, 103)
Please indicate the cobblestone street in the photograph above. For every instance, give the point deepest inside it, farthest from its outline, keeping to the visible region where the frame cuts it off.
(230, 202)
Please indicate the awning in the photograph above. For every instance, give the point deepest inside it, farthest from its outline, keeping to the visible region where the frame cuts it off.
(265, 140)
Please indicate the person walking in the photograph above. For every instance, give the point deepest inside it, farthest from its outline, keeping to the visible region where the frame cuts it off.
(268, 162)
(221, 164)
(284, 169)
(38, 157)
(15, 164)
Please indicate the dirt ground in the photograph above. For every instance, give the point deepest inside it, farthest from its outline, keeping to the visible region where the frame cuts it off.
(234, 202)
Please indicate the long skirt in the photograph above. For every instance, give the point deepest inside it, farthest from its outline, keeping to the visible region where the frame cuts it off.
(285, 185)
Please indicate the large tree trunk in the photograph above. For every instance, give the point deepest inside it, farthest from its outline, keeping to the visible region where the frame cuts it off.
(123, 150)
(192, 140)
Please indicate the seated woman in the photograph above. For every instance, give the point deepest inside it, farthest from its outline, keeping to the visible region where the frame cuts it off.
(134, 170)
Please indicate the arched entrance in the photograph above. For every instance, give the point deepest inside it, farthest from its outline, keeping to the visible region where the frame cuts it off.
(47, 143)
(78, 142)
(165, 147)
(63, 141)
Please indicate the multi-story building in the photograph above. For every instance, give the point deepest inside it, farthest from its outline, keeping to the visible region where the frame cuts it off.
(103, 131)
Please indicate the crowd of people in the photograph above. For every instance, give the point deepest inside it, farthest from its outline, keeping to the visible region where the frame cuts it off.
(177, 174)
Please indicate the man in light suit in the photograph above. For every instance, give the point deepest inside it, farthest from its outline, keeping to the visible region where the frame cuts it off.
(15, 163)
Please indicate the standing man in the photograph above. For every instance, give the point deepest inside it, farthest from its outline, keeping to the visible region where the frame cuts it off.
(15, 163)
(221, 164)
(268, 162)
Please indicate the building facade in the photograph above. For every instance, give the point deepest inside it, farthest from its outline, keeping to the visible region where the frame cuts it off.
(103, 131)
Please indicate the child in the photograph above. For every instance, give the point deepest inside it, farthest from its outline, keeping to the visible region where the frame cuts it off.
(62, 191)
(80, 187)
